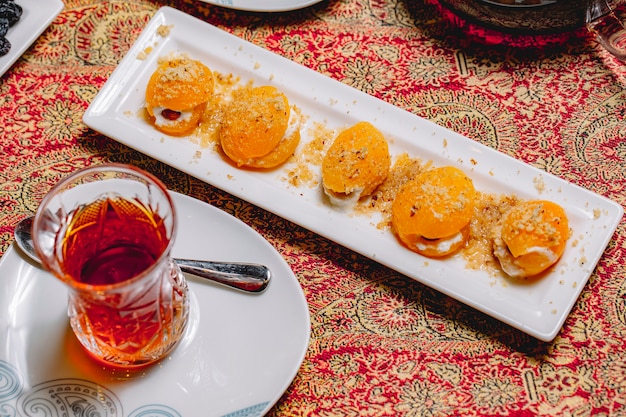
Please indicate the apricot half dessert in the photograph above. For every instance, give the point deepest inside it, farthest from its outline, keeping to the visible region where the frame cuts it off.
(355, 164)
(431, 213)
(258, 129)
(532, 238)
(177, 94)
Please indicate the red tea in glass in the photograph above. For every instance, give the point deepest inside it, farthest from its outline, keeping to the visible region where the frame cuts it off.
(107, 233)
(112, 240)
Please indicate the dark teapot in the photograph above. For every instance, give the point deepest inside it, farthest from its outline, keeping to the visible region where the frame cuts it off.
(539, 22)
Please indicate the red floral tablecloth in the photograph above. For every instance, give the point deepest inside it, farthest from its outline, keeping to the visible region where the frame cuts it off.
(381, 343)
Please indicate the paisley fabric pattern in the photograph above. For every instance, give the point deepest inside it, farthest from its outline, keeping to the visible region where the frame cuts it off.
(382, 344)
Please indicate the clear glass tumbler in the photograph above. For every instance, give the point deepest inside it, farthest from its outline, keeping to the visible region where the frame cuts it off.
(107, 233)
(607, 20)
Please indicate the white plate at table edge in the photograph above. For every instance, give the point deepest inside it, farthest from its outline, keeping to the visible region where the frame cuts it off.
(37, 15)
(238, 356)
(263, 5)
(538, 308)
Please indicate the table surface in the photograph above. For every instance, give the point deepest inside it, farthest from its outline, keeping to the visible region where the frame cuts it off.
(419, 353)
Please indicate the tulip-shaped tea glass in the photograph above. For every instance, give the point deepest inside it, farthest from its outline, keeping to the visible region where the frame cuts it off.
(607, 19)
(107, 233)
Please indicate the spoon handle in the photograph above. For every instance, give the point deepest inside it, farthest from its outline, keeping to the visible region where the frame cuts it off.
(243, 276)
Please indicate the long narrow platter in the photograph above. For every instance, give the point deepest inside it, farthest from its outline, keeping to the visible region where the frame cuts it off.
(538, 308)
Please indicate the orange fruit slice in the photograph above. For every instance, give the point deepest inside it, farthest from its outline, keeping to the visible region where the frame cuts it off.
(179, 84)
(535, 233)
(279, 154)
(358, 160)
(254, 123)
(431, 213)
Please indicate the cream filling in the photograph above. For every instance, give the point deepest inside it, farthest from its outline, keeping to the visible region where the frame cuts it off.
(293, 124)
(441, 245)
(343, 201)
(159, 120)
(507, 260)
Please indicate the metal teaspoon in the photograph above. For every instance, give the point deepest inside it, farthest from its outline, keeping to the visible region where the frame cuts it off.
(247, 277)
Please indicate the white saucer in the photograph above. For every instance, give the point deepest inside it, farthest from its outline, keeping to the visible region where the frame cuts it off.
(36, 17)
(264, 5)
(240, 353)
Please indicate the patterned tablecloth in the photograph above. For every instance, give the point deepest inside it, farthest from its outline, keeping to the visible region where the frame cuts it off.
(381, 343)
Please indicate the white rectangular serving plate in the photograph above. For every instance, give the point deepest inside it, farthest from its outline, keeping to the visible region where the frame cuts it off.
(37, 15)
(538, 308)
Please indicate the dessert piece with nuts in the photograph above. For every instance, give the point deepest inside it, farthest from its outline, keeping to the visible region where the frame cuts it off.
(355, 164)
(431, 214)
(532, 238)
(258, 128)
(177, 94)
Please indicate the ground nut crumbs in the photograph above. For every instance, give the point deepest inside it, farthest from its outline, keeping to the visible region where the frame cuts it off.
(183, 71)
(597, 213)
(404, 169)
(164, 30)
(303, 172)
(532, 222)
(143, 55)
(539, 184)
(489, 209)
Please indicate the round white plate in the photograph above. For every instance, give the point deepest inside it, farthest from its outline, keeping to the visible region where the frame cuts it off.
(264, 5)
(239, 354)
